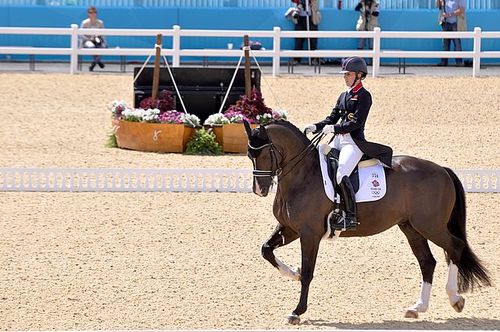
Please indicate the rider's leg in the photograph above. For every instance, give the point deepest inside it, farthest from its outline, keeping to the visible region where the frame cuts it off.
(349, 157)
(350, 203)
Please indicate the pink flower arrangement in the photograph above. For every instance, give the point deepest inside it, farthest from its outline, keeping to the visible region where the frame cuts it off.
(164, 103)
(237, 117)
(248, 108)
(119, 110)
(171, 117)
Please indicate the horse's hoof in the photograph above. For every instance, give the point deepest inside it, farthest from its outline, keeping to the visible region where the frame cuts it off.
(411, 313)
(459, 305)
(293, 319)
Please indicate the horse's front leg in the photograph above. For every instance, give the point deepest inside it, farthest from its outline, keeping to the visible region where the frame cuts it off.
(281, 236)
(309, 244)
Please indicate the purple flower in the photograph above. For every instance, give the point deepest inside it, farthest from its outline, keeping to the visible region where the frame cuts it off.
(235, 116)
(164, 103)
(118, 111)
(171, 117)
(250, 108)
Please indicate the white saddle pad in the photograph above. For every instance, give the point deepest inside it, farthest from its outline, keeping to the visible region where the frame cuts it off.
(372, 185)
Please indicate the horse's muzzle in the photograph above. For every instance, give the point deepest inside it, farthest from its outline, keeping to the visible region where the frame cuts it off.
(261, 189)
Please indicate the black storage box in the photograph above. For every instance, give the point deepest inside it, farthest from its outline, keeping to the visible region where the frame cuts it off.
(202, 89)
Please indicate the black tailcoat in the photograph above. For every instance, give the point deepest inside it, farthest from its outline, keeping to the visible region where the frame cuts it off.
(352, 109)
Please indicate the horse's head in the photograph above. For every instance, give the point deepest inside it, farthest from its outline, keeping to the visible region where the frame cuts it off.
(265, 158)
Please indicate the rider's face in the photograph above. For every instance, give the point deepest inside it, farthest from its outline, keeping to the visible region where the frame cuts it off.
(349, 78)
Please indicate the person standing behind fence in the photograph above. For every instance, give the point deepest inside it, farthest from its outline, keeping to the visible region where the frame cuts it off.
(93, 41)
(449, 10)
(369, 11)
(302, 19)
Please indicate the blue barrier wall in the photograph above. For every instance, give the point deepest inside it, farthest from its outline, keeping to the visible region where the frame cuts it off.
(238, 19)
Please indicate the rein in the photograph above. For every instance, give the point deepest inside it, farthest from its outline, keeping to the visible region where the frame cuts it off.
(279, 169)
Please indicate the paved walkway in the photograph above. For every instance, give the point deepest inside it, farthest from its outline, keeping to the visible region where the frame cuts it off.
(305, 70)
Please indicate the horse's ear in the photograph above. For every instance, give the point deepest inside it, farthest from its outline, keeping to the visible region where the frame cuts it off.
(262, 133)
(248, 129)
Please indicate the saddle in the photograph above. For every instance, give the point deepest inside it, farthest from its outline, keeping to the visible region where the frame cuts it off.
(368, 179)
(332, 163)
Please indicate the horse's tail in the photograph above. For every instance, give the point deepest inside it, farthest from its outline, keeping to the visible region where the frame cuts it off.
(471, 270)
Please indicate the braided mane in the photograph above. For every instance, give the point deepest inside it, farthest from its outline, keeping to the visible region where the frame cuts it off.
(296, 131)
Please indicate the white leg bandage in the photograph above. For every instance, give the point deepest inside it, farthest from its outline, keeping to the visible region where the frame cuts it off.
(423, 302)
(451, 285)
(286, 271)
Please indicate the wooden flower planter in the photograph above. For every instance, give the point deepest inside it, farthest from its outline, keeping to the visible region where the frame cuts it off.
(152, 137)
(232, 137)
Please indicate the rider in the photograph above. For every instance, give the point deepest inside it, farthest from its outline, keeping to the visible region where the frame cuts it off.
(352, 109)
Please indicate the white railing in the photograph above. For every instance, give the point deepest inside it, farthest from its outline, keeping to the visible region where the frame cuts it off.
(124, 180)
(176, 52)
(170, 180)
(346, 4)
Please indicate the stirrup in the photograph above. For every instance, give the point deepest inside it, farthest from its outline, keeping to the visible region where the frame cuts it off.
(343, 223)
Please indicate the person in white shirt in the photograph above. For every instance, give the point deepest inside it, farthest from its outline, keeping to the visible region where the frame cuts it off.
(93, 41)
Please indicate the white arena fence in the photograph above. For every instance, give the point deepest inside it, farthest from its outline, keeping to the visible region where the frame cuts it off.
(170, 180)
(346, 4)
(176, 52)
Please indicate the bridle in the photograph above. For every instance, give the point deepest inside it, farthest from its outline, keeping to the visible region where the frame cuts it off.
(274, 160)
(278, 170)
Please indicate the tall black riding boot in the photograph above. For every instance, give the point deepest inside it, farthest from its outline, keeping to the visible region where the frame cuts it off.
(349, 196)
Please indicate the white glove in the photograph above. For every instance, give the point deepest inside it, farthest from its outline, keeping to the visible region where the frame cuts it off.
(328, 129)
(310, 129)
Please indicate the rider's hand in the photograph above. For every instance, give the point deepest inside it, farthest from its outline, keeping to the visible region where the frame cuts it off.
(328, 129)
(310, 129)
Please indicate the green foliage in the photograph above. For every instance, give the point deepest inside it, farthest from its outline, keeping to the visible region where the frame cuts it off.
(111, 143)
(203, 143)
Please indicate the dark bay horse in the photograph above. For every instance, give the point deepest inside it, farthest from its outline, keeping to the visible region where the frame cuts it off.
(425, 200)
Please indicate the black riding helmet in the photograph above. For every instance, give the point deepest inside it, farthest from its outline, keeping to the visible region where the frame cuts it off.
(354, 64)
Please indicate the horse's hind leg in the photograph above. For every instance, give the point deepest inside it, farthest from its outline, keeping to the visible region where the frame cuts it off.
(281, 236)
(457, 301)
(453, 247)
(422, 252)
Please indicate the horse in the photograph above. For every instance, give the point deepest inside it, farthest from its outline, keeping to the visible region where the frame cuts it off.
(425, 200)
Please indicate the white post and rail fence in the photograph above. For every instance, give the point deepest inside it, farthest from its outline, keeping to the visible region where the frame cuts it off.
(177, 52)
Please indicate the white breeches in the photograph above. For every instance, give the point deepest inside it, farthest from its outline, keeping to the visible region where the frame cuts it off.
(349, 157)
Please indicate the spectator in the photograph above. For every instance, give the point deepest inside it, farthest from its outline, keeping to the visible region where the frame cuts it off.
(449, 10)
(93, 41)
(306, 18)
(368, 20)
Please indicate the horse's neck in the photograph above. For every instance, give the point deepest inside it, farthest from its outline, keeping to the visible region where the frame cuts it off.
(300, 167)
